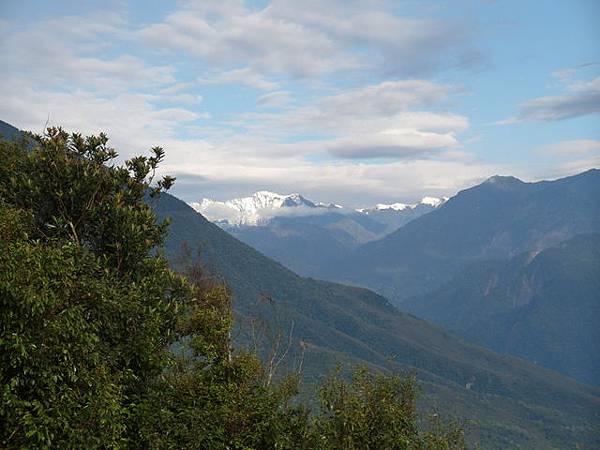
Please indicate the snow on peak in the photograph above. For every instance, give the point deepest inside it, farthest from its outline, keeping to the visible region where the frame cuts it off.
(261, 206)
(433, 202)
(394, 206)
(256, 209)
(328, 205)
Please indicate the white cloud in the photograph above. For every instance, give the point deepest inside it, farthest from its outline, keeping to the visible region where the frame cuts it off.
(353, 184)
(396, 45)
(49, 75)
(253, 38)
(131, 120)
(274, 99)
(125, 96)
(577, 147)
(56, 53)
(388, 97)
(580, 99)
(369, 108)
(317, 38)
(566, 168)
(220, 165)
(175, 88)
(373, 121)
(245, 76)
(175, 93)
(180, 98)
(391, 144)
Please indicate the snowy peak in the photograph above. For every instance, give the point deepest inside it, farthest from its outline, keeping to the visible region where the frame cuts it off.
(256, 209)
(260, 207)
(329, 205)
(394, 206)
(433, 202)
(267, 199)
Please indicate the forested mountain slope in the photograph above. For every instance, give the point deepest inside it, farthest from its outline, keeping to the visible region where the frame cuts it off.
(7, 131)
(509, 403)
(501, 394)
(541, 306)
(499, 218)
(309, 244)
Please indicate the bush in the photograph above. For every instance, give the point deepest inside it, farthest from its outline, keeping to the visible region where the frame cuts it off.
(102, 345)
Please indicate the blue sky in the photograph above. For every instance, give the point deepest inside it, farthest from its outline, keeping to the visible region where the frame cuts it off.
(354, 102)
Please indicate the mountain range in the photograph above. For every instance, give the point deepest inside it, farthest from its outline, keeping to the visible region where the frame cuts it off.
(405, 252)
(543, 306)
(479, 265)
(508, 401)
(497, 219)
(305, 235)
(512, 403)
(262, 206)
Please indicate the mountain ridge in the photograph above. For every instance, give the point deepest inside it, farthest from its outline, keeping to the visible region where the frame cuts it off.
(542, 306)
(261, 206)
(336, 321)
(496, 219)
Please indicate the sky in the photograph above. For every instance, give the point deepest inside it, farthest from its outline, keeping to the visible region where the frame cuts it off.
(352, 102)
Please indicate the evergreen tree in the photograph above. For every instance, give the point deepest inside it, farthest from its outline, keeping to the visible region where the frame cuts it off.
(102, 345)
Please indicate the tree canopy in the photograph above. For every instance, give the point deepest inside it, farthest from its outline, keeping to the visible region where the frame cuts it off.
(102, 345)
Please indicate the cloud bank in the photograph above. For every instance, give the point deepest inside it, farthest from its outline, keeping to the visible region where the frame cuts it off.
(352, 101)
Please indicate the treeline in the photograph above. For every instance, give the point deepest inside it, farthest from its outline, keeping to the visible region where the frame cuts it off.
(102, 345)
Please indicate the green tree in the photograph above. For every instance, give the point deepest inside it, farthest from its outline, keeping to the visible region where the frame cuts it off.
(88, 312)
(102, 345)
(377, 411)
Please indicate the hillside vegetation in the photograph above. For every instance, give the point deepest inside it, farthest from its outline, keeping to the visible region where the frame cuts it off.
(541, 306)
(509, 402)
(102, 345)
(84, 236)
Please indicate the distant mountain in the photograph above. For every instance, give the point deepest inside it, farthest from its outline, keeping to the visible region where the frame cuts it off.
(7, 131)
(541, 306)
(513, 403)
(262, 206)
(499, 218)
(396, 215)
(258, 208)
(430, 201)
(305, 235)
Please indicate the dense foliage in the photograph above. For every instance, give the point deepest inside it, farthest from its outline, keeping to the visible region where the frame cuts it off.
(511, 403)
(103, 346)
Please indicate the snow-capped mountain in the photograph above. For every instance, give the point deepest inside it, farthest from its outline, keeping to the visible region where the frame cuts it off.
(258, 208)
(262, 206)
(302, 234)
(433, 202)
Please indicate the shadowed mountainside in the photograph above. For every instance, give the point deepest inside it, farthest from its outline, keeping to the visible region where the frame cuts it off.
(512, 402)
(497, 219)
(307, 244)
(541, 306)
